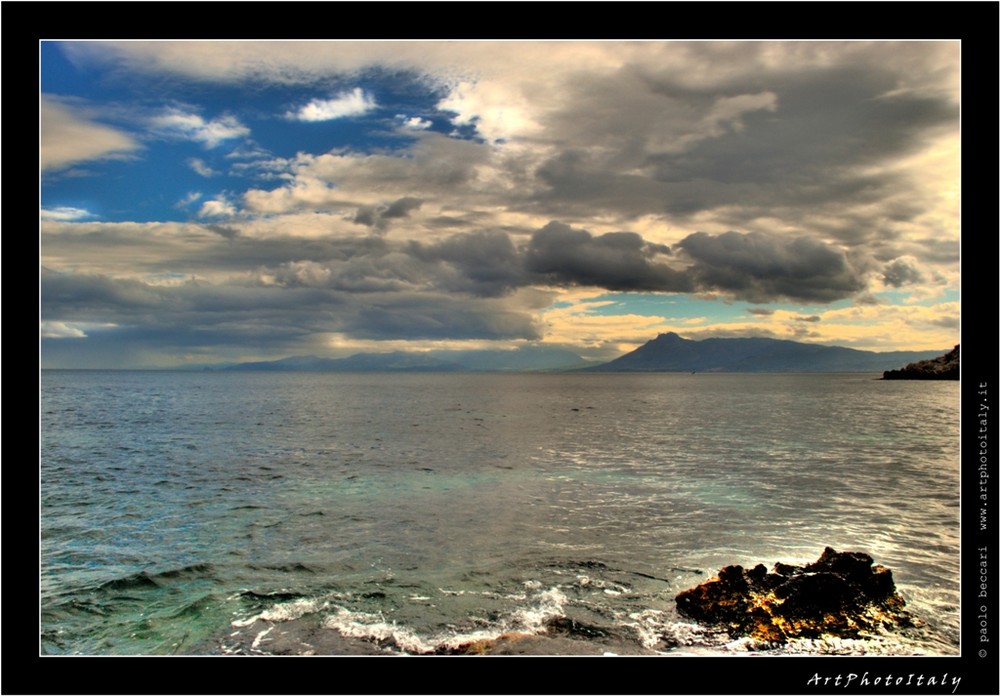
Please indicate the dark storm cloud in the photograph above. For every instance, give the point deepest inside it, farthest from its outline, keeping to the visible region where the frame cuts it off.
(947, 322)
(366, 216)
(93, 298)
(562, 255)
(488, 264)
(901, 272)
(484, 263)
(940, 251)
(402, 207)
(462, 286)
(812, 318)
(825, 119)
(271, 317)
(447, 221)
(760, 312)
(760, 268)
(580, 181)
(377, 216)
(135, 250)
(224, 231)
(805, 142)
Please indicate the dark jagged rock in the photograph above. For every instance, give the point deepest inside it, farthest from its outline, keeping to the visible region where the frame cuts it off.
(943, 367)
(841, 594)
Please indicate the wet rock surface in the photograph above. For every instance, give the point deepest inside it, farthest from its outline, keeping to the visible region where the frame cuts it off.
(562, 636)
(842, 594)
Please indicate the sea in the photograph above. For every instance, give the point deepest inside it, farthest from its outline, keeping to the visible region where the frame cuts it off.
(242, 513)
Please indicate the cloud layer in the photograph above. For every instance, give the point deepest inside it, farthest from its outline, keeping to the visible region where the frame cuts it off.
(68, 137)
(495, 191)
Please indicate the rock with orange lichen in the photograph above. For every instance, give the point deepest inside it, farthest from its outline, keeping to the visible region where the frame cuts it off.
(841, 594)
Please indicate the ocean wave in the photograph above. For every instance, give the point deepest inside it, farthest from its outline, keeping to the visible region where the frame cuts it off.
(147, 580)
(138, 581)
(286, 611)
(376, 629)
(536, 615)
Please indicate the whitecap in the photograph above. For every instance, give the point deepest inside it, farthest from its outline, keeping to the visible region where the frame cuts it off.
(286, 611)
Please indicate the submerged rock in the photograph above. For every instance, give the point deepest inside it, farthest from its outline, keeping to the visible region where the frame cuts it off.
(841, 594)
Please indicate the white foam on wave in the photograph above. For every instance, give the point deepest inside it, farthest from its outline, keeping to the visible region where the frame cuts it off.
(610, 588)
(459, 639)
(260, 637)
(285, 611)
(648, 625)
(833, 645)
(743, 644)
(826, 645)
(374, 627)
(653, 627)
(378, 629)
(549, 605)
(529, 619)
(483, 593)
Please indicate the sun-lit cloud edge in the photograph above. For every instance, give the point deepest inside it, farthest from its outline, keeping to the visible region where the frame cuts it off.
(353, 103)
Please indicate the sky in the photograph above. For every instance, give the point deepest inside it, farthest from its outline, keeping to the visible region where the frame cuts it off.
(205, 202)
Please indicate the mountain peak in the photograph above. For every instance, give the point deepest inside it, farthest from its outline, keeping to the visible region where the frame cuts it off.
(668, 352)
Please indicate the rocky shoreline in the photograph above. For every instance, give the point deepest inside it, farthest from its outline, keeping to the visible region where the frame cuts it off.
(943, 367)
(840, 595)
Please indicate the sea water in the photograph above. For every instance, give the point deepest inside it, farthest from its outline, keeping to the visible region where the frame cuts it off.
(306, 513)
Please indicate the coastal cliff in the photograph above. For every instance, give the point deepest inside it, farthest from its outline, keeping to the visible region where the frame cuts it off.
(943, 367)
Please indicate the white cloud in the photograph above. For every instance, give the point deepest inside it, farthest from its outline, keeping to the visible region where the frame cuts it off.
(200, 168)
(178, 123)
(217, 207)
(499, 110)
(69, 329)
(68, 137)
(248, 150)
(851, 145)
(414, 122)
(188, 199)
(434, 166)
(353, 103)
(60, 329)
(65, 214)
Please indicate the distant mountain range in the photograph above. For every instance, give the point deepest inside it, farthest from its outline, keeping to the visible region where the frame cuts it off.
(525, 359)
(666, 353)
(671, 353)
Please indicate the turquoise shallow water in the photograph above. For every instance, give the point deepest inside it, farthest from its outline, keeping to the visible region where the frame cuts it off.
(337, 513)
